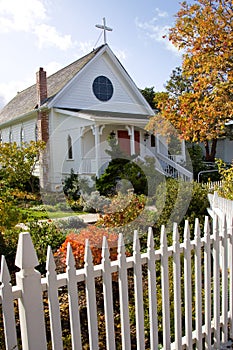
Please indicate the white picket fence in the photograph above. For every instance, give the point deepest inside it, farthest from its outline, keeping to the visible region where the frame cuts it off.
(220, 205)
(197, 296)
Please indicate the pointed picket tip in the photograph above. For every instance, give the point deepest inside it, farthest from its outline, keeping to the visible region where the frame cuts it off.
(186, 232)
(207, 225)
(175, 236)
(50, 263)
(150, 239)
(197, 231)
(26, 257)
(87, 256)
(136, 243)
(69, 257)
(121, 243)
(105, 251)
(5, 275)
(163, 237)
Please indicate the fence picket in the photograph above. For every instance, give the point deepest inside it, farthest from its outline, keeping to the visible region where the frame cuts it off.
(230, 234)
(73, 300)
(177, 287)
(224, 290)
(31, 315)
(91, 299)
(216, 282)
(108, 300)
(123, 293)
(138, 292)
(8, 307)
(165, 290)
(207, 283)
(213, 296)
(54, 308)
(187, 285)
(198, 286)
(152, 291)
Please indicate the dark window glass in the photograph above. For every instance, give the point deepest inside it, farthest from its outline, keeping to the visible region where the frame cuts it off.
(152, 140)
(102, 88)
(70, 148)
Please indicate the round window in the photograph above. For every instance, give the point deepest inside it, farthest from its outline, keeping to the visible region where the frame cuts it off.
(102, 88)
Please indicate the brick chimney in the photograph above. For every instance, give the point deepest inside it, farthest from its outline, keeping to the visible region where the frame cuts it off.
(43, 126)
(41, 84)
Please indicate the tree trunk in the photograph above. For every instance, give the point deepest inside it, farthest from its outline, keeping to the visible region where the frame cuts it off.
(210, 152)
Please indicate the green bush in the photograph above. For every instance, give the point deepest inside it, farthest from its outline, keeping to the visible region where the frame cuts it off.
(226, 173)
(42, 234)
(177, 201)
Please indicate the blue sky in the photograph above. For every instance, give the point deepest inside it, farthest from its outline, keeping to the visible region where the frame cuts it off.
(51, 34)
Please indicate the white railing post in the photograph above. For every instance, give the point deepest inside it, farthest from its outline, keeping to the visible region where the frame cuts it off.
(30, 303)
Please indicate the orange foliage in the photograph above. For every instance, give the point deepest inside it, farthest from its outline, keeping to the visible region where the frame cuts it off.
(204, 31)
(95, 237)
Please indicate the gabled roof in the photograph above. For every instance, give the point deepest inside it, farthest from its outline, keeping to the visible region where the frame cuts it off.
(26, 101)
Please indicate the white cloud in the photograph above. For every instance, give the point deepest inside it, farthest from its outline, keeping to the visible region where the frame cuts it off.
(157, 29)
(21, 15)
(48, 36)
(31, 16)
(53, 67)
(160, 13)
(8, 90)
(120, 54)
(85, 47)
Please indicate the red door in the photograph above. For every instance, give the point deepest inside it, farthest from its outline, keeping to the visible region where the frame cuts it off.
(124, 141)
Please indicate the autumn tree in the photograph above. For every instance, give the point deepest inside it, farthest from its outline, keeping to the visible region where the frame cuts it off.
(203, 31)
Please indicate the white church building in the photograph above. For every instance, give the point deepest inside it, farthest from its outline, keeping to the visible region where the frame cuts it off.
(75, 110)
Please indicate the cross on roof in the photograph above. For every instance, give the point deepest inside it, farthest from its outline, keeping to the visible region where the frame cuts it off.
(105, 28)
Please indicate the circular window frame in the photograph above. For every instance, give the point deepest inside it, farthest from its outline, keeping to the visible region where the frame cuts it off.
(102, 88)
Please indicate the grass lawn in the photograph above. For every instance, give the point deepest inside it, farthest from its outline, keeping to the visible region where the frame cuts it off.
(43, 215)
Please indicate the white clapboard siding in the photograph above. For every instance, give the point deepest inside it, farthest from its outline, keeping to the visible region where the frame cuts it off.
(207, 315)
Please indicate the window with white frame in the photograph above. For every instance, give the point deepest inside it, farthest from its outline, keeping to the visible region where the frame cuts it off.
(36, 132)
(22, 138)
(70, 147)
(10, 137)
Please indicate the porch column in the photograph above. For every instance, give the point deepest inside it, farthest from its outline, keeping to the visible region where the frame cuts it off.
(132, 139)
(81, 164)
(97, 131)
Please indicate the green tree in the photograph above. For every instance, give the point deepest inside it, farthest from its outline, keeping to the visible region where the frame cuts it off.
(18, 162)
(149, 94)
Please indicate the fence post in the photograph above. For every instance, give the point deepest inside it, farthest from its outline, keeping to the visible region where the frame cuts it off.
(30, 303)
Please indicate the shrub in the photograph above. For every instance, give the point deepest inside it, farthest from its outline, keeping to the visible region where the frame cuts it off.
(226, 173)
(122, 210)
(95, 237)
(178, 200)
(95, 202)
(72, 222)
(71, 186)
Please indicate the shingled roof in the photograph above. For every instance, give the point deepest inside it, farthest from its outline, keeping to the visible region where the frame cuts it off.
(26, 101)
